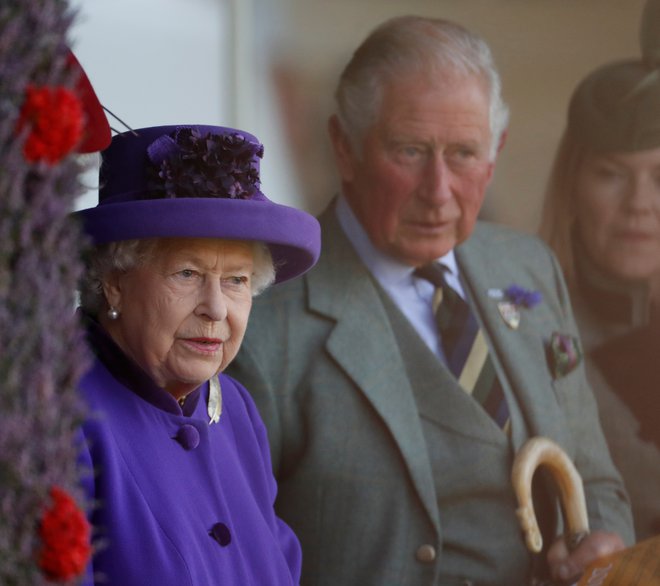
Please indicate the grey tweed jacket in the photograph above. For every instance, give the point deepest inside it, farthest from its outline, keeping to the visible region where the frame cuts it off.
(384, 488)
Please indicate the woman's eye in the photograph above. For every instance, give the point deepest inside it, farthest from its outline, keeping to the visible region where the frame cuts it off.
(187, 273)
(237, 280)
(609, 173)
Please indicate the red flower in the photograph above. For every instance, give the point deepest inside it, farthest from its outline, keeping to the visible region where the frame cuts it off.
(65, 533)
(55, 117)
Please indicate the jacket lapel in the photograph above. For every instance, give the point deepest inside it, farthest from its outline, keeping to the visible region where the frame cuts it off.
(364, 346)
(519, 354)
(439, 397)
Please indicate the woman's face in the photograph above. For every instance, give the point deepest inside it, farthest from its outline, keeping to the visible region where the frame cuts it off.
(618, 212)
(183, 313)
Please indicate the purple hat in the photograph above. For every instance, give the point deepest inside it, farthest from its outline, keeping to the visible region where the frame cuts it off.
(198, 182)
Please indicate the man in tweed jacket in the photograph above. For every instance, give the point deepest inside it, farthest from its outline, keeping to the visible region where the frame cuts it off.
(388, 472)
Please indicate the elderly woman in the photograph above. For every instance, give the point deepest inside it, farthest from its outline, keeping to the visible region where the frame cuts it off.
(182, 486)
(602, 217)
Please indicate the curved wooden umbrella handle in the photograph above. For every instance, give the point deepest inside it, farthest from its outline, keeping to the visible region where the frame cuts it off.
(541, 451)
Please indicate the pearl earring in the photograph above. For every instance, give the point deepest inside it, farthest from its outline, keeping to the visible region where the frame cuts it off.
(113, 313)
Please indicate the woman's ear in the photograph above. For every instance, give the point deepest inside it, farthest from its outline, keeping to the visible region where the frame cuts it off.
(112, 290)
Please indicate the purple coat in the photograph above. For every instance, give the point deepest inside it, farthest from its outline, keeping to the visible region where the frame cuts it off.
(179, 501)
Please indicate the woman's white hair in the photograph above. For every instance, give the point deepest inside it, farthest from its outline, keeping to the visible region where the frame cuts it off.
(127, 254)
(407, 44)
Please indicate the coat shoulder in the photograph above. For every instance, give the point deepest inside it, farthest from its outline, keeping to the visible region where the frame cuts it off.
(508, 244)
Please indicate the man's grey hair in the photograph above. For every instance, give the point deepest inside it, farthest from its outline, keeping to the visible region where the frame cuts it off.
(414, 44)
(127, 254)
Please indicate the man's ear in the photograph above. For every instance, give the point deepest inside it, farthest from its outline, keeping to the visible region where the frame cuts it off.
(342, 148)
(500, 146)
(502, 141)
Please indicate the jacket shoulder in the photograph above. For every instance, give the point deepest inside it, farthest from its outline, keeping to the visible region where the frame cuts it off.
(508, 243)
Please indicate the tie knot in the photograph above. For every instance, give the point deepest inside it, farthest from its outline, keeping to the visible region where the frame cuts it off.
(445, 295)
(433, 273)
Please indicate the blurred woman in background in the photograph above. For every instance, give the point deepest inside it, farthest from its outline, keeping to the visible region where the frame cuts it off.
(602, 218)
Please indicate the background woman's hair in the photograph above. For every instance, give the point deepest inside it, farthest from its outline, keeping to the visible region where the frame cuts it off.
(559, 213)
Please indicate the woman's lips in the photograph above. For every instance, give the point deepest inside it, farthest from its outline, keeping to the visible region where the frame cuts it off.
(204, 345)
(634, 236)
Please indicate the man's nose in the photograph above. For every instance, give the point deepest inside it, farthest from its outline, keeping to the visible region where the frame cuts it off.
(436, 183)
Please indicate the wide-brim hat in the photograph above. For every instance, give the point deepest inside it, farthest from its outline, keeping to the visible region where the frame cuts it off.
(196, 181)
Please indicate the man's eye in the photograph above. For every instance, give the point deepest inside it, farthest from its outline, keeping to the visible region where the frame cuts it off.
(411, 151)
(187, 273)
(461, 153)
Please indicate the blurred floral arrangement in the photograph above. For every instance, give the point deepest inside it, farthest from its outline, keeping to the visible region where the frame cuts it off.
(44, 533)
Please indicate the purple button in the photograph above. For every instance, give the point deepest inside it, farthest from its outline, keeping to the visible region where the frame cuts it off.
(188, 436)
(220, 532)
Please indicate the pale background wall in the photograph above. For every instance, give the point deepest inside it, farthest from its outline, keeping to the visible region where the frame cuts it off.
(245, 62)
(156, 62)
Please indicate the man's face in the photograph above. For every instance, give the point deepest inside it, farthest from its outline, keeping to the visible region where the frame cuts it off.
(419, 182)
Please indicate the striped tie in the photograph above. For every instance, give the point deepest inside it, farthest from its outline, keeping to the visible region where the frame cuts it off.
(465, 346)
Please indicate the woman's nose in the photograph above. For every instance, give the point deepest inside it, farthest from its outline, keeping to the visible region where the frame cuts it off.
(212, 303)
(643, 195)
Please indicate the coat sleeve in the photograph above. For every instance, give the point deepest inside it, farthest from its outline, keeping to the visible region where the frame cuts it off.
(607, 500)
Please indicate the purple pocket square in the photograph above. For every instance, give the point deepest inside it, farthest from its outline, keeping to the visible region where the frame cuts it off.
(564, 354)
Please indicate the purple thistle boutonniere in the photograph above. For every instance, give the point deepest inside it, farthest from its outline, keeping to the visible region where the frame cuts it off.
(511, 300)
(522, 297)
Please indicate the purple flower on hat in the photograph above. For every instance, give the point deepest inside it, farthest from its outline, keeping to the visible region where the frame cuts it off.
(522, 297)
(189, 164)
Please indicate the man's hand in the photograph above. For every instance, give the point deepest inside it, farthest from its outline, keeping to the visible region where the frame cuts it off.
(568, 566)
